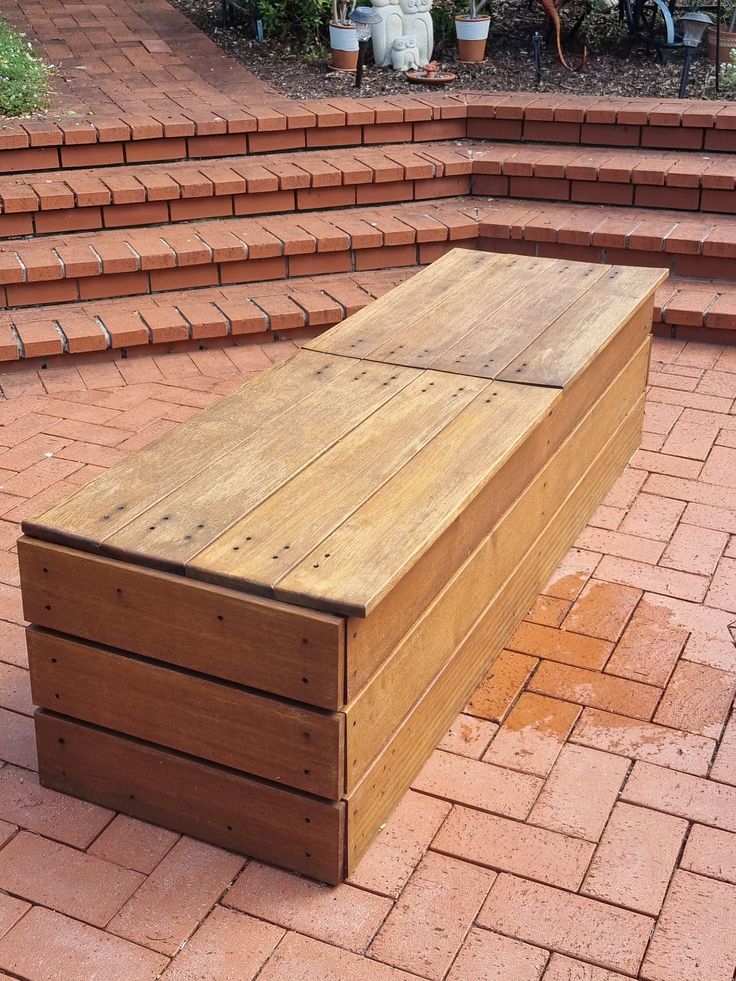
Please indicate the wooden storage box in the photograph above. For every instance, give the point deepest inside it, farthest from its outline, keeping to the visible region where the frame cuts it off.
(256, 629)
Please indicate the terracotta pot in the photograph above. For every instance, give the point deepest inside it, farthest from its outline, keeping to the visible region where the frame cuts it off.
(728, 43)
(472, 34)
(344, 47)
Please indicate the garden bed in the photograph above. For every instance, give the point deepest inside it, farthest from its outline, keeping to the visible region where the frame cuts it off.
(623, 68)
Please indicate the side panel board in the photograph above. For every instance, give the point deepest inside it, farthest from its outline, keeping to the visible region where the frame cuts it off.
(198, 799)
(214, 720)
(393, 770)
(375, 713)
(256, 642)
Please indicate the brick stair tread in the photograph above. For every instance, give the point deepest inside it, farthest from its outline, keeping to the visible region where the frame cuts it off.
(289, 114)
(117, 251)
(697, 303)
(82, 255)
(192, 315)
(142, 193)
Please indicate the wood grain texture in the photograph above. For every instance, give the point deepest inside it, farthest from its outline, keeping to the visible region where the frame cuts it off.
(369, 641)
(209, 802)
(455, 273)
(394, 769)
(362, 560)
(374, 714)
(568, 346)
(109, 502)
(216, 721)
(295, 653)
(498, 336)
(441, 326)
(259, 550)
(200, 510)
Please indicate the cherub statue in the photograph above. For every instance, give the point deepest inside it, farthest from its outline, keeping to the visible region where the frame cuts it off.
(405, 54)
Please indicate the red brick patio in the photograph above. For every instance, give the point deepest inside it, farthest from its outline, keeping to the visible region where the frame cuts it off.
(578, 823)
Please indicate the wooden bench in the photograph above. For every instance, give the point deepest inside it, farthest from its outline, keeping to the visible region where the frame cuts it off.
(256, 630)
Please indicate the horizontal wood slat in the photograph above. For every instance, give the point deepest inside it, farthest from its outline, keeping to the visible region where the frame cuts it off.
(394, 769)
(376, 711)
(221, 723)
(255, 642)
(209, 802)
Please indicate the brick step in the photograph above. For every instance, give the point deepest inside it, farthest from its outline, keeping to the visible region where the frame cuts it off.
(81, 200)
(119, 262)
(626, 177)
(122, 262)
(99, 141)
(43, 203)
(692, 309)
(255, 312)
(701, 246)
(209, 317)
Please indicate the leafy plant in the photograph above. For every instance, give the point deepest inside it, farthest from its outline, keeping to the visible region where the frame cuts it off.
(728, 74)
(601, 27)
(304, 21)
(25, 79)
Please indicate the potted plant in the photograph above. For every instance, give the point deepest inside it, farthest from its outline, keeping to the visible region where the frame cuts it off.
(343, 36)
(728, 36)
(472, 33)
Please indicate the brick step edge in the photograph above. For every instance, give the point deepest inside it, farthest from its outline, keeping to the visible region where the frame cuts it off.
(237, 314)
(136, 262)
(89, 200)
(207, 318)
(50, 144)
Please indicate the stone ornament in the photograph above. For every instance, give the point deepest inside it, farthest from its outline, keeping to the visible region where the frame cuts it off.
(418, 22)
(399, 19)
(405, 54)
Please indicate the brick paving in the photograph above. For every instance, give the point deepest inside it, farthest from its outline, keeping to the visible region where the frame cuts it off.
(577, 823)
(133, 56)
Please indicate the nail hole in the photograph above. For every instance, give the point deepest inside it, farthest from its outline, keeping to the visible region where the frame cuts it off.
(61, 740)
(220, 617)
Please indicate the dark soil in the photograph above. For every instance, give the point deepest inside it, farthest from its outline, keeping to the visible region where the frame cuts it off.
(620, 66)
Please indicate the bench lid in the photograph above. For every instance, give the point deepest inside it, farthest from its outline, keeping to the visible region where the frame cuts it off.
(324, 479)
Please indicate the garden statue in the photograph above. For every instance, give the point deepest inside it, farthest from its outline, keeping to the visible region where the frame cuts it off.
(385, 33)
(401, 18)
(418, 22)
(405, 54)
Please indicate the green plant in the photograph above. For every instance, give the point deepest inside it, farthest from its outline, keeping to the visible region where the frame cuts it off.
(303, 21)
(601, 27)
(25, 79)
(728, 75)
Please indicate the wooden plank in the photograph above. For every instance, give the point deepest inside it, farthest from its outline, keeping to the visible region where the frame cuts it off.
(376, 711)
(262, 548)
(393, 771)
(438, 328)
(181, 523)
(370, 641)
(498, 337)
(209, 802)
(376, 545)
(256, 642)
(455, 272)
(566, 348)
(114, 498)
(214, 720)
